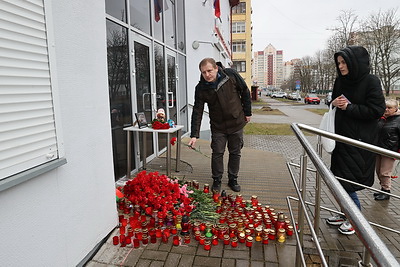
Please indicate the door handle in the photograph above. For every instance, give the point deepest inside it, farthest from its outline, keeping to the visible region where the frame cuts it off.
(170, 99)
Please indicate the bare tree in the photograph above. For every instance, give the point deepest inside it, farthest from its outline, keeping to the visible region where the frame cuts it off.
(381, 36)
(343, 34)
(306, 66)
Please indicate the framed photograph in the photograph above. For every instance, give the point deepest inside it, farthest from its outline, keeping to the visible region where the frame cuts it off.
(141, 120)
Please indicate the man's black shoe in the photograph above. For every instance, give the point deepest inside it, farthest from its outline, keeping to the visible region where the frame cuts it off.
(383, 196)
(234, 185)
(378, 193)
(216, 186)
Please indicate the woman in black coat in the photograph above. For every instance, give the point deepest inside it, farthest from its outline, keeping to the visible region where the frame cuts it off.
(360, 103)
(388, 138)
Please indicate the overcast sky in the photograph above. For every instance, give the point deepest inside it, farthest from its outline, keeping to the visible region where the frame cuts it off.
(301, 27)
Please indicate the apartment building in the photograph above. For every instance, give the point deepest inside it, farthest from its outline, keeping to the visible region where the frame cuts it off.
(268, 68)
(242, 39)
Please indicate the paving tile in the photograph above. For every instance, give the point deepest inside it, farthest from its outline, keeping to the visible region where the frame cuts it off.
(206, 261)
(228, 262)
(154, 255)
(172, 259)
(242, 263)
(184, 250)
(186, 260)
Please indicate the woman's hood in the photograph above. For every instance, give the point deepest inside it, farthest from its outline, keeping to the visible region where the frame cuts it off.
(357, 60)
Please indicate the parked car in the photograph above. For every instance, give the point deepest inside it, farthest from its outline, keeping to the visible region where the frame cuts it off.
(279, 94)
(312, 99)
(294, 96)
(328, 98)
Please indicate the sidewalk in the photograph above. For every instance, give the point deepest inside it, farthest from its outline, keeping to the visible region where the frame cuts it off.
(263, 173)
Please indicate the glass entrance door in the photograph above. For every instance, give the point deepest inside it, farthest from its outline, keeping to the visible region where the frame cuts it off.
(142, 83)
(172, 78)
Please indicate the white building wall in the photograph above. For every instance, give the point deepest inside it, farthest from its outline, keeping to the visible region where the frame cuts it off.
(200, 24)
(56, 219)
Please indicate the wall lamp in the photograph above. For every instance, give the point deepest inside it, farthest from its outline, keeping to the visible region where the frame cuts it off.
(196, 44)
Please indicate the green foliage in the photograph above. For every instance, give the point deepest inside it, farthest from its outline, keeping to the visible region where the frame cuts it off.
(205, 207)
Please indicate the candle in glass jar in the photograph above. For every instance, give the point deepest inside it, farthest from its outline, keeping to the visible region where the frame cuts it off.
(207, 245)
(249, 241)
(115, 240)
(187, 239)
(215, 240)
(206, 188)
(227, 239)
(242, 237)
(234, 242)
(289, 230)
(176, 240)
(136, 243)
(145, 239)
(202, 239)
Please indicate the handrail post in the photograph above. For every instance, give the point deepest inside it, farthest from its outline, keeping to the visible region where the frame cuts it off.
(366, 259)
(303, 181)
(317, 208)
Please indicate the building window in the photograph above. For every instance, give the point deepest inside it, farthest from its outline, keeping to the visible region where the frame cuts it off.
(28, 138)
(240, 66)
(238, 27)
(239, 46)
(239, 9)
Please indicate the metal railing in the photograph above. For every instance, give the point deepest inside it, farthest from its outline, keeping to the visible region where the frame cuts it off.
(373, 245)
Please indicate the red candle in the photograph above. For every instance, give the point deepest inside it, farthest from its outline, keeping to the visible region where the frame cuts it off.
(215, 240)
(122, 238)
(153, 238)
(226, 240)
(158, 233)
(234, 242)
(202, 239)
(128, 240)
(207, 245)
(242, 237)
(289, 230)
(265, 239)
(122, 230)
(271, 234)
(249, 241)
(136, 243)
(124, 222)
(175, 240)
(206, 188)
(145, 239)
(187, 239)
(115, 240)
(164, 238)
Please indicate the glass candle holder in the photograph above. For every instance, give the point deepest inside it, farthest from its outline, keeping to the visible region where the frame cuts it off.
(271, 234)
(115, 240)
(227, 239)
(145, 239)
(206, 188)
(164, 238)
(202, 239)
(215, 240)
(234, 242)
(178, 221)
(136, 243)
(187, 239)
(242, 238)
(289, 230)
(265, 239)
(258, 232)
(122, 230)
(207, 245)
(249, 241)
(176, 240)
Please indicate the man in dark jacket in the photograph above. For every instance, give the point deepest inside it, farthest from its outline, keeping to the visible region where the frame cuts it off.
(389, 138)
(360, 103)
(229, 104)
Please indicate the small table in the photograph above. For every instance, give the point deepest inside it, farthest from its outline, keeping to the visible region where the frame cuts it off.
(169, 131)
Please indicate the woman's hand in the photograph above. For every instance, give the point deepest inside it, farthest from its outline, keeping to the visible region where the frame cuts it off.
(340, 102)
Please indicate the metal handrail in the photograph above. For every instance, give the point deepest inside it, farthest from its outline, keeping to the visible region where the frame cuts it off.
(372, 242)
